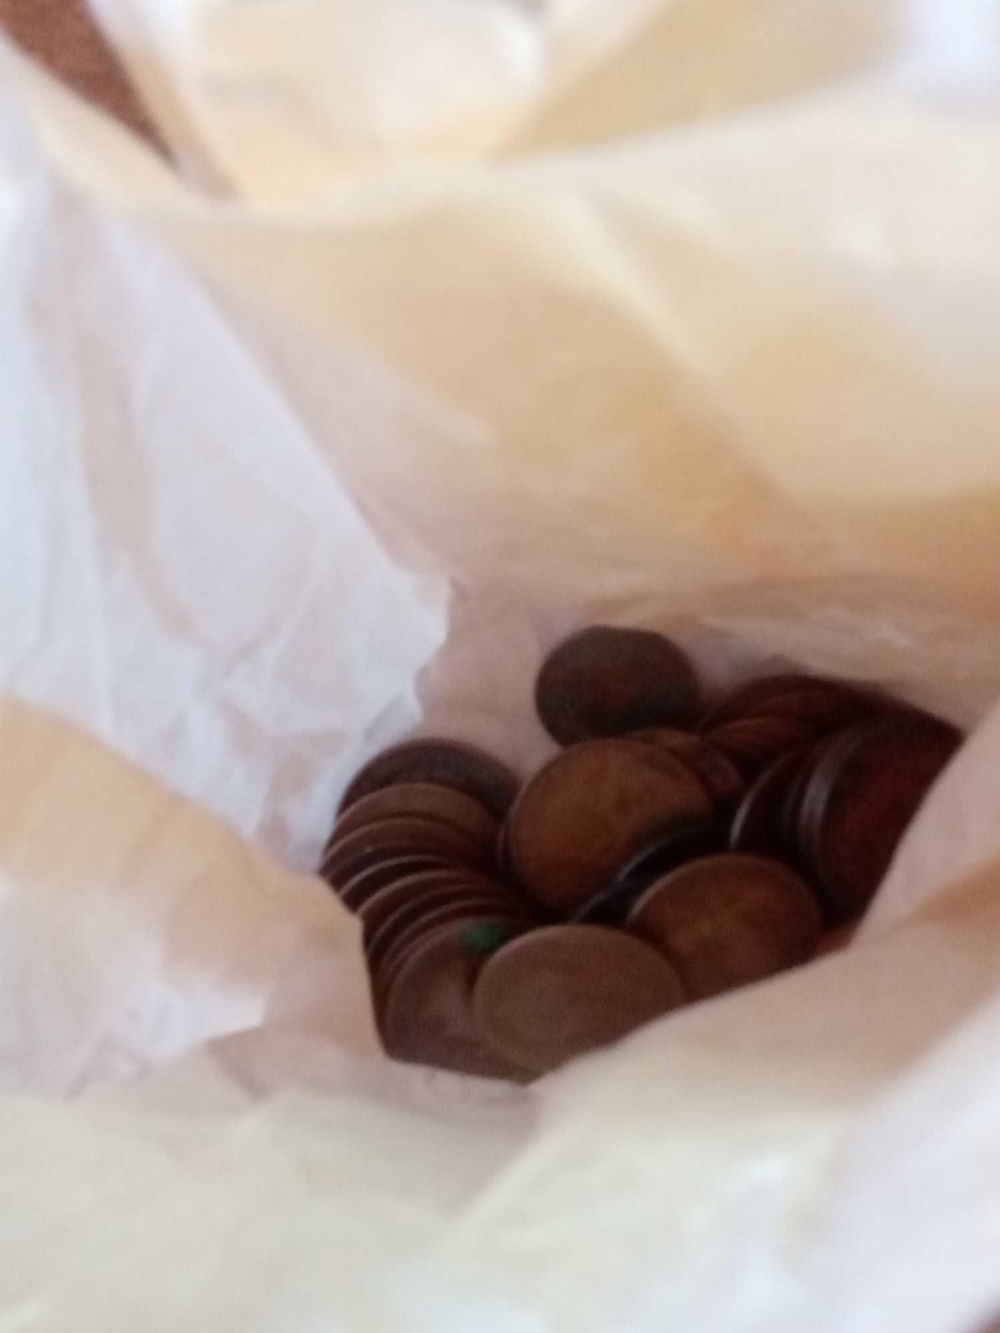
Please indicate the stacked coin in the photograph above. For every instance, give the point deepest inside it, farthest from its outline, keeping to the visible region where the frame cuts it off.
(666, 855)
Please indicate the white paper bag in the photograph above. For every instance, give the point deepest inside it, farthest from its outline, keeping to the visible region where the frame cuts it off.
(495, 317)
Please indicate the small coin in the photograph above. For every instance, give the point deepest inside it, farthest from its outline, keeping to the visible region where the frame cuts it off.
(865, 789)
(427, 1013)
(397, 837)
(719, 774)
(378, 909)
(562, 991)
(759, 823)
(588, 809)
(425, 800)
(754, 742)
(442, 763)
(366, 884)
(729, 920)
(606, 682)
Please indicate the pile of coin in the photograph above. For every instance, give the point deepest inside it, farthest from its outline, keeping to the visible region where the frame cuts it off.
(669, 853)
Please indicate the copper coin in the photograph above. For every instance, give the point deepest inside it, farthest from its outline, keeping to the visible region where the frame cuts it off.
(397, 837)
(864, 791)
(377, 910)
(394, 955)
(729, 920)
(443, 763)
(562, 991)
(590, 808)
(759, 823)
(366, 884)
(427, 1015)
(417, 907)
(605, 682)
(425, 800)
(719, 774)
(611, 906)
(754, 742)
(744, 698)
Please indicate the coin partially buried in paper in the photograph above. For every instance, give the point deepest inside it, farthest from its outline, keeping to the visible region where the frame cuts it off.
(606, 682)
(562, 991)
(728, 920)
(444, 762)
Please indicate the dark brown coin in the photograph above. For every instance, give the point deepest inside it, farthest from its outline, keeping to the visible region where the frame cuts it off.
(427, 1013)
(377, 910)
(424, 800)
(729, 920)
(365, 885)
(754, 742)
(443, 763)
(745, 698)
(759, 823)
(863, 793)
(719, 774)
(587, 810)
(562, 991)
(606, 682)
(399, 837)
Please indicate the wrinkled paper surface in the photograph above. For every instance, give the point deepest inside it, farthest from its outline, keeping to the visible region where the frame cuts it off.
(676, 314)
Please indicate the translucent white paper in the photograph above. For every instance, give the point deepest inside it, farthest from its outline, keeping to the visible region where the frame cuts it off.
(679, 314)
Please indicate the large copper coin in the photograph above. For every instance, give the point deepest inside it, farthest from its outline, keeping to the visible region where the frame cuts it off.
(377, 910)
(729, 920)
(398, 837)
(425, 800)
(562, 991)
(611, 906)
(417, 907)
(719, 774)
(759, 823)
(754, 742)
(606, 682)
(590, 808)
(365, 885)
(441, 762)
(863, 793)
(427, 1015)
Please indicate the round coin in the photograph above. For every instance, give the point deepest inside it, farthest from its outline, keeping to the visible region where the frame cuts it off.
(864, 791)
(425, 800)
(825, 704)
(744, 698)
(606, 682)
(427, 1015)
(588, 809)
(729, 920)
(366, 884)
(443, 763)
(397, 837)
(562, 991)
